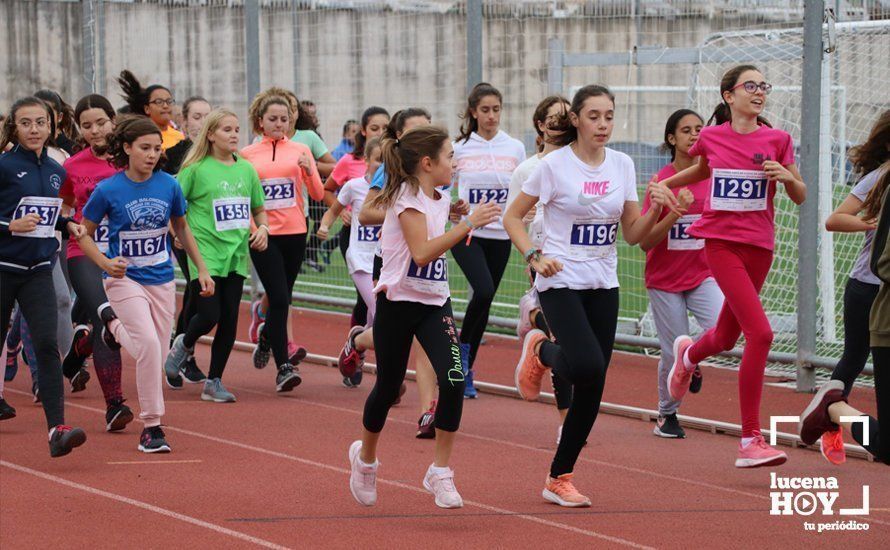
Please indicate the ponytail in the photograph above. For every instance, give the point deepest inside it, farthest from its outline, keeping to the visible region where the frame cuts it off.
(470, 124)
(402, 158)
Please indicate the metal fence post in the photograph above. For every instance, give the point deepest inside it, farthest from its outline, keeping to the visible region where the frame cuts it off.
(474, 43)
(555, 49)
(252, 74)
(808, 226)
(295, 41)
(88, 45)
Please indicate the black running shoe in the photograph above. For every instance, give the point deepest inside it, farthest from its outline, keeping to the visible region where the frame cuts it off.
(426, 426)
(6, 410)
(79, 380)
(191, 372)
(695, 384)
(107, 315)
(65, 438)
(263, 350)
(669, 427)
(353, 381)
(152, 441)
(117, 416)
(173, 382)
(288, 378)
(35, 391)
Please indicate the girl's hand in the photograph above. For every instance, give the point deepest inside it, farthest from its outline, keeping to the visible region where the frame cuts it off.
(76, 230)
(484, 214)
(530, 215)
(304, 163)
(777, 172)
(323, 232)
(346, 217)
(871, 223)
(458, 209)
(259, 240)
(208, 287)
(25, 224)
(685, 198)
(116, 267)
(546, 267)
(662, 197)
(177, 244)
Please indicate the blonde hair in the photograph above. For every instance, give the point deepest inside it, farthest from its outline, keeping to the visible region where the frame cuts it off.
(202, 146)
(274, 96)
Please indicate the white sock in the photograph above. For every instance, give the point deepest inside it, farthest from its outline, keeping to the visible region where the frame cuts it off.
(686, 361)
(747, 441)
(363, 463)
(439, 470)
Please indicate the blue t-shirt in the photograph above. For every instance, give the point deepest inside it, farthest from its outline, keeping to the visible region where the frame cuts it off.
(138, 214)
(379, 179)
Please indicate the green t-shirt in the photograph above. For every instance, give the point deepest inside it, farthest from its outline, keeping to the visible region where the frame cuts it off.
(311, 140)
(220, 201)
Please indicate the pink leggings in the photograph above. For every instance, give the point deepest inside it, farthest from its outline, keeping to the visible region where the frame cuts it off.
(145, 314)
(740, 270)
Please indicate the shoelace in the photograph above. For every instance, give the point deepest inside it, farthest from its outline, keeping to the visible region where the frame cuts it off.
(564, 486)
(445, 482)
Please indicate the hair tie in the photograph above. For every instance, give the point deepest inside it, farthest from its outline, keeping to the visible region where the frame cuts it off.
(398, 142)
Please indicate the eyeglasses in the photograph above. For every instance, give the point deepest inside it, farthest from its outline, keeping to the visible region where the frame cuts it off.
(27, 124)
(752, 87)
(162, 102)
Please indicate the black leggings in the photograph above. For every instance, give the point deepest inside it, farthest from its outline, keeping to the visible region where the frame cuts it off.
(35, 294)
(220, 311)
(879, 433)
(395, 326)
(188, 307)
(562, 388)
(581, 357)
(483, 263)
(858, 298)
(277, 268)
(86, 278)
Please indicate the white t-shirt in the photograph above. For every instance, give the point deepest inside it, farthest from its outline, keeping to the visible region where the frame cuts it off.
(363, 239)
(582, 210)
(520, 176)
(401, 279)
(484, 168)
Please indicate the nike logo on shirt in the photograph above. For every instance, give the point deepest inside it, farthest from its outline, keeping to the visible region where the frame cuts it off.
(587, 200)
(22, 174)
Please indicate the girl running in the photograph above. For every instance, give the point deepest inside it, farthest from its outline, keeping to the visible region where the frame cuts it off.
(678, 280)
(95, 117)
(287, 172)
(222, 191)
(586, 190)
(862, 286)
(413, 300)
(547, 113)
(829, 410)
(139, 203)
(486, 157)
(155, 102)
(744, 158)
(30, 213)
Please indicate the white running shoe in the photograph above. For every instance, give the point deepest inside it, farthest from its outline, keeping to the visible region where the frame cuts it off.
(363, 479)
(442, 486)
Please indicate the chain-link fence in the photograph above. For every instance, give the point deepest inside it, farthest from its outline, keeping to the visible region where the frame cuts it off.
(345, 55)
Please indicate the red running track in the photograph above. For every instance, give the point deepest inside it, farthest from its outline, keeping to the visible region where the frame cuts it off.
(271, 471)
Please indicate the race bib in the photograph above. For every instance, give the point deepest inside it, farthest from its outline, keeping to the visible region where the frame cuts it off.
(144, 248)
(739, 190)
(47, 208)
(479, 195)
(429, 279)
(368, 233)
(100, 237)
(593, 238)
(279, 193)
(231, 213)
(678, 239)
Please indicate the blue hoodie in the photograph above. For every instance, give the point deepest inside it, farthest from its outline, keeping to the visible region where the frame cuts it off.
(24, 174)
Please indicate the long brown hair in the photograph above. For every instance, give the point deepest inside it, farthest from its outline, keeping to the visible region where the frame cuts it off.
(871, 208)
(135, 95)
(402, 158)
(9, 135)
(540, 115)
(568, 131)
(127, 129)
(867, 156)
(470, 124)
(730, 78)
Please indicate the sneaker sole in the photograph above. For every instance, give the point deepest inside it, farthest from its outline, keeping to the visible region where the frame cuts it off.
(298, 357)
(289, 384)
(439, 503)
(350, 337)
(120, 421)
(354, 450)
(816, 402)
(554, 498)
(171, 385)
(677, 360)
(825, 455)
(519, 369)
(667, 435)
(79, 381)
(76, 440)
(205, 397)
(760, 462)
(161, 449)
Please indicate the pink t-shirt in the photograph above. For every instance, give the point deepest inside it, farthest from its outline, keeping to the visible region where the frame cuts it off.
(401, 279)
(83, 171)
(677, 263)
(739, 206)
(348, 168)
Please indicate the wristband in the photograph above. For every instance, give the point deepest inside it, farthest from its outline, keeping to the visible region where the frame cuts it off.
(531, 253)
(263, 226)
(469, 223)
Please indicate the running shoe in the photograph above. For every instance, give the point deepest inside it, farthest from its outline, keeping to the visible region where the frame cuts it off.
(529, 371)
(757, 454)
(832, 446)
(79, 380)
(695, 384)
(153, 440)
(6, 410)
(296, 353)
(288, 378)
(815, 420)
(441, 485)
(527, 304)
(351, 360)
(561, 491)
(362, 477)
(669, 427)
(314, 266)
(62, 439)
(355, 381)
(190, 371)
(177, 357)
(263, 351)
(12, 363)
(216, 392)
(81, 344)
(256, 319)
(680, 377)
(106, 313)
(426, 425)
(35, 391)
(117, 416)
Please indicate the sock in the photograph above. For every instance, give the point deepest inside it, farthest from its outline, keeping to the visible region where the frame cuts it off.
(366, 465)
(541, 323)
(747, 441)
(686, 361)
(439, 470)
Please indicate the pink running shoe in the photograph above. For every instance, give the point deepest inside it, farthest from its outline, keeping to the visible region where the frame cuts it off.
(529, 371)
(680, 377)
(350, 359)
(832, 446)
(527, 304)
(256, 319)
(296, 353)
(757, 453)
